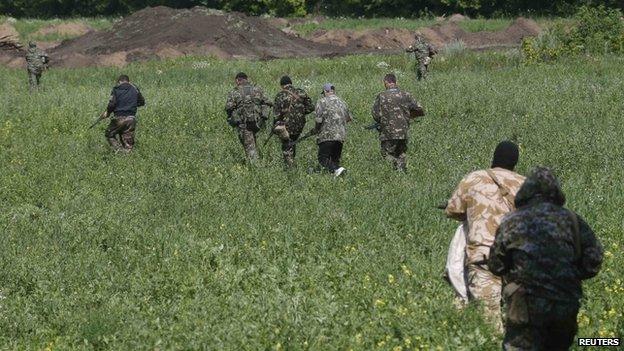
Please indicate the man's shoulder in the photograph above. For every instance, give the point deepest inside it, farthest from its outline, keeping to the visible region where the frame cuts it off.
(509, 178)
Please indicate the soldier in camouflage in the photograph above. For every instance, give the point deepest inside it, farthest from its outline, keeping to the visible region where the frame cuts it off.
(36, 61)
(423, 52)
(543, 252)
(393, 109)
(481, 200)
(290, 108)
(247, 110)
(332, 116)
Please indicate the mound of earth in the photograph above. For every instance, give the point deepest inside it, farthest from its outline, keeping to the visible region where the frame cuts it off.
(75, 29)
(162, 32)
(10, 47)
(439, 35)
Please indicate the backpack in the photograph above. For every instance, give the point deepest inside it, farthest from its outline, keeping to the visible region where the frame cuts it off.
(248, 110)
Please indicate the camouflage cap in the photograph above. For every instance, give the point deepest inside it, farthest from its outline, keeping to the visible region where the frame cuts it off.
(540, 186)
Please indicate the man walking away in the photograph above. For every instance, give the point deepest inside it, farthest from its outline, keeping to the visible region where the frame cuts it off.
(36, 61)
(393, 110)
(245, 107)
(332, 116)
(481, 200)
(123, 103)
(423, 52)
(290, 108)
(543, 252)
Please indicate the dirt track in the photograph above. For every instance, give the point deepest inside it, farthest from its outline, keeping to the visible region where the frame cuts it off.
(162, 32)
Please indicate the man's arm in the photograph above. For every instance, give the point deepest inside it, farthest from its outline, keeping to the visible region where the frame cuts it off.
(414, 107)
(230, 104)
(456, 207)
(498, 263)
(376, 111)
(279, 106)
(140, 98)
(112, 103)
(307, 102)
(591, 251)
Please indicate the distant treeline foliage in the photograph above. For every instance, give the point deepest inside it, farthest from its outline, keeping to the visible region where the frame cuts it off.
(368, 8)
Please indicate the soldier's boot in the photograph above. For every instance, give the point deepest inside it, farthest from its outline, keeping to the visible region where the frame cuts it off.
(400, 163)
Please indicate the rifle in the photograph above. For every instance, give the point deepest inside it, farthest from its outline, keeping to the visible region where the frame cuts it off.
(101, 117)
(375, 126)
(309, 134)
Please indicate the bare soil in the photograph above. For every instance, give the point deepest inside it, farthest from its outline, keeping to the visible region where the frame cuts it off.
(439, 35)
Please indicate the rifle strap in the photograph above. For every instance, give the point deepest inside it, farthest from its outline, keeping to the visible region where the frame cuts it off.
(509, 198)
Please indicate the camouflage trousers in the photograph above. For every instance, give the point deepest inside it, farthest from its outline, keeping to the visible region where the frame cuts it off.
(289, 150)
(536, 324)
(421, 69)
(247, 137)
(120, 132)
(34, 78)
(485, 287)
(395, 152)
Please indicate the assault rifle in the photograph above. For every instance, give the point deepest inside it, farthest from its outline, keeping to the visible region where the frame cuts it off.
(374, 126)
(103, 116)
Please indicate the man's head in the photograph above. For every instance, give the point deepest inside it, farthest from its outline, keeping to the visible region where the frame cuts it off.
(506, 155)
(31, 44)
(390, 80)
(285, 80)
(123, 79)
(328, 89)
(417, 36)
(540, 186)
(241, 78)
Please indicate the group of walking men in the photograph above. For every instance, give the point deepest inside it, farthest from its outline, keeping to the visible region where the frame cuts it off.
(248, 109)
(524, 250)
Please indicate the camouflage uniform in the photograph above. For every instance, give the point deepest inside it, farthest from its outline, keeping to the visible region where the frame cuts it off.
(543, 252)
(482, 203)
(332, 115)
(290, 108)
(423, 52)
(36, 61)
(246, 107)
(123, 103)
(393, 110)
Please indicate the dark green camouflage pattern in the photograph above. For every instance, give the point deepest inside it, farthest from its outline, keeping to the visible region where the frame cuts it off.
(392, 110)
(247, 103)
(291, 107)
(36, 60)
(535, 245)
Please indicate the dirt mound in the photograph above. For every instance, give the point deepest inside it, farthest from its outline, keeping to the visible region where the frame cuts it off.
(8, 32)
(66, 29)
(439, 35)
(162, 32)
(457, 18)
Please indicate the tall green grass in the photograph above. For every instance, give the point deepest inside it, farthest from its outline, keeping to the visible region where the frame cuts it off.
(181, 245)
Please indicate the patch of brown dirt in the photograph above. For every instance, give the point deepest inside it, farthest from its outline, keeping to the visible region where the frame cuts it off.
(66, 29)
(439, 35)
(162, 32)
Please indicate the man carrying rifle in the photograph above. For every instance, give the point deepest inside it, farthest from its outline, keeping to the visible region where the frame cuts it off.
(393, 110)
(290, 109)
(123, 103)
(247, 110)
(37, 62)
(332, 116)
(481, 200)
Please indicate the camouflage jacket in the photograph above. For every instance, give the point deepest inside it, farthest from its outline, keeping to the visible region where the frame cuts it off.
(479, 201)
(393, 109)
(421, 49)
(36, 60)
(291, 106)
(544, 247)
(332, 114)
(247, 103)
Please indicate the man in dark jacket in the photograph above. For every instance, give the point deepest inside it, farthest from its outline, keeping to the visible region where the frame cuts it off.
(543, 252)
(123, 103)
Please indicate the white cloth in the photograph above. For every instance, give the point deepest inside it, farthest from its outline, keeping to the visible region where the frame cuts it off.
(455, 270)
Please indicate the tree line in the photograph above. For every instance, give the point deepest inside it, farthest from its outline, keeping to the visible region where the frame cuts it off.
(350, 8)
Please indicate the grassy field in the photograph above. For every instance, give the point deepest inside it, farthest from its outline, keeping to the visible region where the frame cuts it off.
(181, 245)
(27, 28)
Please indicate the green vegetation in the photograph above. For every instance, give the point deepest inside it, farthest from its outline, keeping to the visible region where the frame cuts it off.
(180, 245)
(592, 31)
